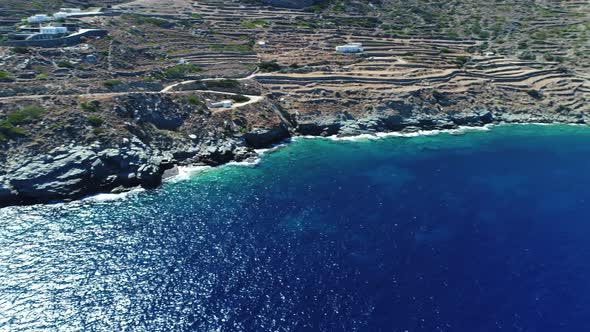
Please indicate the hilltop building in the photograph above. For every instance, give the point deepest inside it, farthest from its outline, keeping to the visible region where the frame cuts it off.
(350, 48)
(49, 30)
(220, 104)
(39, 18)
(70, 10)
(40, 32)
(60, 15)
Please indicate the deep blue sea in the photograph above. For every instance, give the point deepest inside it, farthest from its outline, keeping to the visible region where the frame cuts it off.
(483, 231)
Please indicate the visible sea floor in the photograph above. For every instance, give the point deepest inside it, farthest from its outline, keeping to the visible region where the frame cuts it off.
(484, 231)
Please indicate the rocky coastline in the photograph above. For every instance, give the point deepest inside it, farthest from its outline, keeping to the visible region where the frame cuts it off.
(72, 172)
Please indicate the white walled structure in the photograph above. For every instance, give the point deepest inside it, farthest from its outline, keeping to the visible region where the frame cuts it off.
(350, 48)
(70, 10)
(220, 104)
(40, 18)
(60, 15)
(53, 30)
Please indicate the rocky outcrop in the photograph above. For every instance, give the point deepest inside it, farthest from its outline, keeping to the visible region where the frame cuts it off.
(324, 126)
(6, 193)
(161, 111)
(391, 121)
(264, 137)
(73, 172)
(76, 171)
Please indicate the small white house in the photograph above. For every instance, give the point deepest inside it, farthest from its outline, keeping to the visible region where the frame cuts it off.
(220, 104)
(53, 30)
(39, 18)
(60, 15)
(70, 10)
(350, 48)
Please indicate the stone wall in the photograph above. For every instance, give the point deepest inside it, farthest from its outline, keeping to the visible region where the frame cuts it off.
(291, 3)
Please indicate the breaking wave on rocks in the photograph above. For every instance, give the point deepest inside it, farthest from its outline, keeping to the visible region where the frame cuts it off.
(106, 197)
(417, 133)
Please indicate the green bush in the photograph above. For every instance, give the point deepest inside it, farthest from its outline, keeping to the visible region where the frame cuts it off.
(254, 24)
(461, 60)
(527, 55)
(9, 127)
(42, 77)
(97, 131)
(24, 114)
(452, 34)
(540, 35)
(95, 121)
(6, 76)
(111, 83)
(535, 94)
(20, 50)
(484, 34)
(363, 22)
(92, 106)
(242, 48)
(551, 57)
(194, 100)
(64, 64)
(150, 20)
(269, 66)
(180, 71)
(240, 98)
(227, 84)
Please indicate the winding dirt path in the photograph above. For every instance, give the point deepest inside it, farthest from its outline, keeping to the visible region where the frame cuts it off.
(252, 98)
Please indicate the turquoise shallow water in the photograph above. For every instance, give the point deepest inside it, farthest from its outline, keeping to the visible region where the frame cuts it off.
(486, 231)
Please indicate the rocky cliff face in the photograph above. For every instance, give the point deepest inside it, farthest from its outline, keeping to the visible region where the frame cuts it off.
(159, 132)
(143, 135)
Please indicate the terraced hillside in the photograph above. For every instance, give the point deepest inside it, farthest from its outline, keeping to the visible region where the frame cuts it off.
(313, 78)
(425, 65)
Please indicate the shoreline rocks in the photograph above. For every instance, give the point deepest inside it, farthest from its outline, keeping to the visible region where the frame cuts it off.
(74, 172)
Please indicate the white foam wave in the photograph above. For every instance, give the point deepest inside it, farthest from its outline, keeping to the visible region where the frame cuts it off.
(545, 124)
(418, 133)
(259, 153)
(248, 162)
(107, 197)
(186, 172)
(273, 147)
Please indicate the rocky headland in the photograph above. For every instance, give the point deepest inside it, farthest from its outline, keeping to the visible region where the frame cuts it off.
(156, 133)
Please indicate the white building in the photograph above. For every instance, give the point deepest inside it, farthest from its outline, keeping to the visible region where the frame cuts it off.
(70, 10)
(60, 15)
(220, 104)
(350, 48)
(53, 30)
(39, 18)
